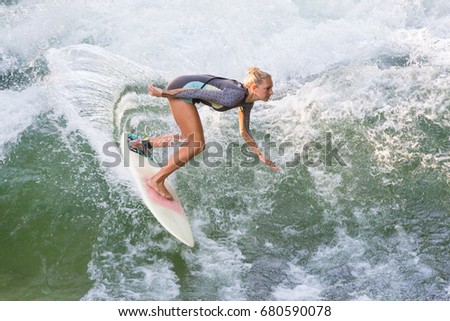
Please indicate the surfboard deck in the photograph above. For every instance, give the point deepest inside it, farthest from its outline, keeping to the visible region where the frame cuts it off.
(169, 213)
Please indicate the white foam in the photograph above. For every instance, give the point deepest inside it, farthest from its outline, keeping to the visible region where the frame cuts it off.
(130, 269)
(133, 281)
(298, 286)
(84, 84)
(390, 274)
(218, 263)
(18, 111)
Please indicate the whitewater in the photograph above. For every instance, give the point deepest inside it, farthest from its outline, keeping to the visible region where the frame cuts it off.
(370, 78)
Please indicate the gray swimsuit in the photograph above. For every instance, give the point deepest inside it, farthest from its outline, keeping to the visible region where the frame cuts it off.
(220, 93)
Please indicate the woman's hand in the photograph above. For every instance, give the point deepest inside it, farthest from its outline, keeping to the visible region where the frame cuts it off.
(154, 91)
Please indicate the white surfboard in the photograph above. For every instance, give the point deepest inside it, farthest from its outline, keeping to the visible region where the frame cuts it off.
(169, 213)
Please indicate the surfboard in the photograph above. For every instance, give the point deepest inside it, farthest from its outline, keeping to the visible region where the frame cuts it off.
(169, 213)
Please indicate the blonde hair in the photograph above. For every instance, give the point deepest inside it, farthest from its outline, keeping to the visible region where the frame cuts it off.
(255, 77)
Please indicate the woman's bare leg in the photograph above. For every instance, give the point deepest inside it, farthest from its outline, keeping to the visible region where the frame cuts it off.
(168, 140)
(188, 119)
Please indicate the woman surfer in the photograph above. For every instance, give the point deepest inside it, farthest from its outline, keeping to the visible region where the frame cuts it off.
(221, 94)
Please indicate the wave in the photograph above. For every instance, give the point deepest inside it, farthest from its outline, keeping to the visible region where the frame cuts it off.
(371, 75)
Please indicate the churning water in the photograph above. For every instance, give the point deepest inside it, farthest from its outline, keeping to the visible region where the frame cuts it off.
(367, 78)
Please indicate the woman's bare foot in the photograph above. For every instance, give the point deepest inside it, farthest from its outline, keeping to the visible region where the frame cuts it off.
(154, 91)
(160, 188)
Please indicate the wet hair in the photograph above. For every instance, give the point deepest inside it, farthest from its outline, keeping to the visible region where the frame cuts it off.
(255, 77)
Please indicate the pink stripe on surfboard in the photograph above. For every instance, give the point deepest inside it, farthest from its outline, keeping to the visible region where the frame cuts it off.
(169, 204)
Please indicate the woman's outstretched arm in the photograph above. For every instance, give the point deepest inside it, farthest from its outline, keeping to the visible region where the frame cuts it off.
(244, 128)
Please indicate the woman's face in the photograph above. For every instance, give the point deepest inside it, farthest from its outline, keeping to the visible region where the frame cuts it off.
(264, 90)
